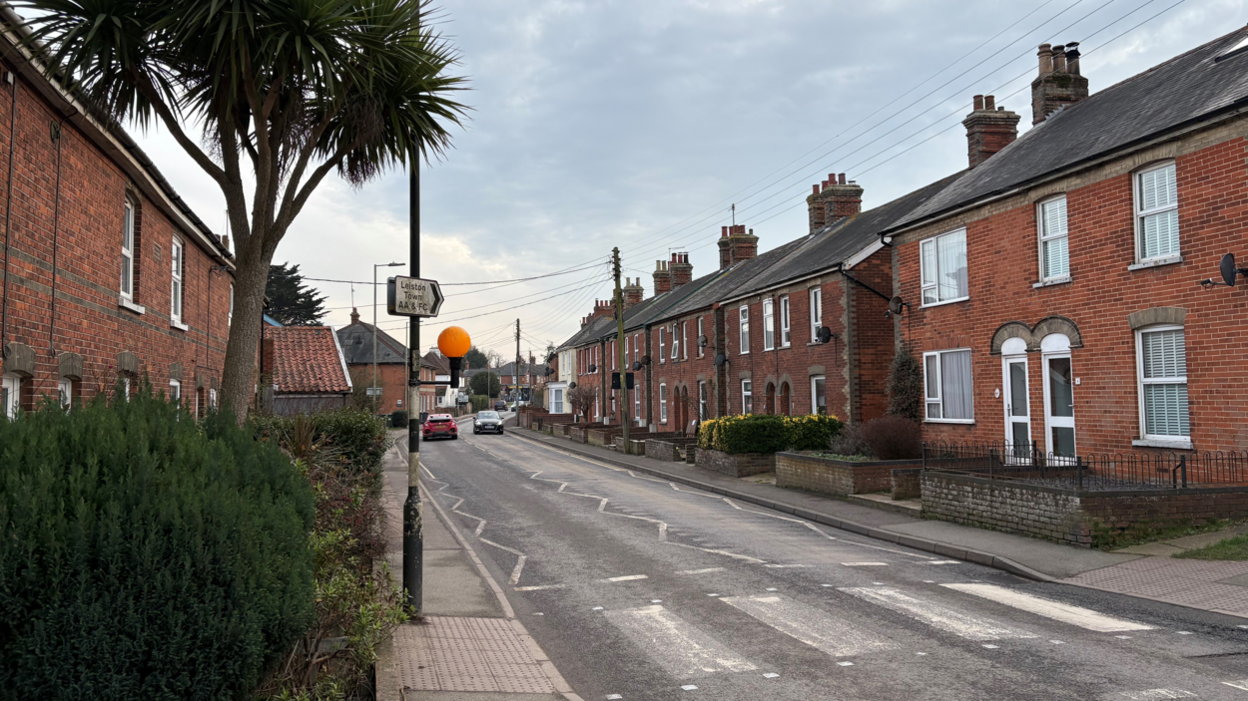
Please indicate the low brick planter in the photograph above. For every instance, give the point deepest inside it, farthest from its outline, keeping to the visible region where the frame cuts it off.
(906, 483)
(831, 476)
(1071, 516)
(739, 465)
(668, 447)
(603, 435)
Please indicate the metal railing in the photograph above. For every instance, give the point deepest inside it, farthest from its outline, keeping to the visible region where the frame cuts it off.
(1027, 462)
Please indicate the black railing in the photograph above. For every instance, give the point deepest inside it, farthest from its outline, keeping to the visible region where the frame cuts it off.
(1093, 471)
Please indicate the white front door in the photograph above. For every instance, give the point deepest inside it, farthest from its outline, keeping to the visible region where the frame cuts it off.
(1017, 407)
(1059, 406)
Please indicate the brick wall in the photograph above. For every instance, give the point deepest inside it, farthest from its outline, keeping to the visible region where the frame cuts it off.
(741, 465)
(682, 374)
(907, 483)
(65, 243)
(1002, 253)
(667, 448)
(833, 476)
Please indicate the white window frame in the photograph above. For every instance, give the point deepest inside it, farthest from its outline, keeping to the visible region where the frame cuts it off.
(229, 317)
(636, 403)
(786, 336)
(1137, 187)
(743, 328)
(675, 343)
(1045, 236)
(662, 346)
(747, 396)
(769, 325)
(701, 350)
(175, 390)
(684, 340)
(125, 386)
(662, 402)
(816, 313)
(814, 401)
(126, 282)
(636, 345)
(11, 393)
(932, 282)
(177, 260)
(704, 412)
(939, 398)
(613, 356)
(1175, 441)
(65, 392)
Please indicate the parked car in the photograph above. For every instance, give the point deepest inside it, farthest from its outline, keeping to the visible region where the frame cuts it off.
(500, 405)
(488, 422)
(440, 426)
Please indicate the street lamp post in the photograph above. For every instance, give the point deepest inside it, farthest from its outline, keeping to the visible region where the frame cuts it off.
(373, 389)
(413, 527)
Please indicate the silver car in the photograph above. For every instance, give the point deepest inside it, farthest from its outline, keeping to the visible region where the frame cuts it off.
(488, 422)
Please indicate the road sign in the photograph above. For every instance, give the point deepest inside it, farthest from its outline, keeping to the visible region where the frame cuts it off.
(413, 296)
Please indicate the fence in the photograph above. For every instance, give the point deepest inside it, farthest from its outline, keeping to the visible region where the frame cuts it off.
(1092, 472)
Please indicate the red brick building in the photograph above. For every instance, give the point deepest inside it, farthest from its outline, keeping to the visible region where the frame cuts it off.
(1053, 289)
(356, 340)
(308, 368)
(107, 274)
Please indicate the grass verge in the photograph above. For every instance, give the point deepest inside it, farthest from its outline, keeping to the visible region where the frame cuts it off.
(1230, 549)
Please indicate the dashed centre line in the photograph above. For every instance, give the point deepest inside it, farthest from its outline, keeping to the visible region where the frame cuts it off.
(626, 578)
(707, 570)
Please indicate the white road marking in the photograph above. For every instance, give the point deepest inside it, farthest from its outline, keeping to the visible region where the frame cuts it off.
(1185, 632)
(772, 589)
(865, 564)
(810, 625)
(1242, 684)
(784, 567)
(1159, 694)
(539, 613)
(520, 559)
(1123, 637)
(427, 472)
(688, 687)
(539, 587)
(626, 578)
(656, 601)
(612, 697)
(992, 647)
(1057, 642)
(725, 553)
(680, 648)
(1058, 611)
(712, 594)
(708, 570)
(770, 675)
(1241, 626)
(929, 581)
(597, 608)
(845, 664)
(921, 654)
(943, 562)
(937, 616)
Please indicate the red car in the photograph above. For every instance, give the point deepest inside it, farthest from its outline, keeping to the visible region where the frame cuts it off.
(440, 426)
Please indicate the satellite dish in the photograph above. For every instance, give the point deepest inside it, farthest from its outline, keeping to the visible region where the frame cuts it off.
(593, 368)
(825, 334)
(895, 304)
(702, 341)
(1229, 270)
(645, 360)
(571, 385)
(637, 365)
(720, 359)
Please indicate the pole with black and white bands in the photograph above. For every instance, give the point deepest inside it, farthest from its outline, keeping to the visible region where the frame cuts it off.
(413, 527)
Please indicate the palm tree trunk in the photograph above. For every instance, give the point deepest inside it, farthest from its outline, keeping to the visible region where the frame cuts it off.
(240, 373)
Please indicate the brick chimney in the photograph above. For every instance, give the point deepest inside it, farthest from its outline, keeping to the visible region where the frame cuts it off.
(735, 245)
(355, 315)
(831, 200)
(988, 129)
(633, 292)
(681, 269)
(662, 278)
(268, 349)
(1059, 83)
(604, 307)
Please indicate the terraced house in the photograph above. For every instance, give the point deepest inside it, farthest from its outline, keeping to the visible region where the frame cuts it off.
(107, 275)
(1054, 290)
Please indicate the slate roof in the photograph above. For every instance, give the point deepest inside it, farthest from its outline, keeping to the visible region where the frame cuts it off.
(727, 281)
(432, 360)
(596, 326)
(1186, 89)
(357, 345)
(539, 370)
(833, 245)
(307, 360)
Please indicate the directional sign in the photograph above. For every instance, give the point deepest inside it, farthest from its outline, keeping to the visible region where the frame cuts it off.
(413, 296)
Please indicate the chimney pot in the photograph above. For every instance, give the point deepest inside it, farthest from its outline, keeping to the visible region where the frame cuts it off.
(724, 232)
(990, 102)
(978, 103)
(842, 178)
(1046, 59)
(988, 130)
(1049, 93)
(1059, 59)
(816, 188)
(832, 178)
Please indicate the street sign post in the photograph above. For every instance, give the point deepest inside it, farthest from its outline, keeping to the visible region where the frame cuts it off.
(413, 296)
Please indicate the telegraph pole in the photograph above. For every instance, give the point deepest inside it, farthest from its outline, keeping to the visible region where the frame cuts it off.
(413, 526)
(619, 345)
(516, 375)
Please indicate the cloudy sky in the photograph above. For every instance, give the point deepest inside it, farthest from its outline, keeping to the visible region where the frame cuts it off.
(638, 123)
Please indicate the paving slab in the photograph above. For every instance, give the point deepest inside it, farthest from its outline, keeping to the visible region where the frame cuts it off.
(1200, 540)
(1158, 549)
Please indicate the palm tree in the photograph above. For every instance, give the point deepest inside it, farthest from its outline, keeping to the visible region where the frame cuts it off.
(292, 89)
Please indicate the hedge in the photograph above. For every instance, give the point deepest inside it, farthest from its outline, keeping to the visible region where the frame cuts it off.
(399, 419)
(358, 437)
(144, 555)
(767, 433)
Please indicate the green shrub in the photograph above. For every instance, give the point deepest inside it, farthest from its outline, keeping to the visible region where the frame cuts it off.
(144, 555)
(812, 432)
(480, 402)
(905, 386)
(753, 433)
(399, 419)
(893, 438)
(356, 437)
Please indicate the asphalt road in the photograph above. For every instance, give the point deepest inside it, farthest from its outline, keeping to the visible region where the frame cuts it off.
(641, 589)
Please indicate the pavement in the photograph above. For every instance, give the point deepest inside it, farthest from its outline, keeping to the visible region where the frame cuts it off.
(1147, 572)
(469, 646)
(638, 586)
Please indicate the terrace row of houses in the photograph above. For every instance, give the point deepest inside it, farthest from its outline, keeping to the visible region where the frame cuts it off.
(1050, 289)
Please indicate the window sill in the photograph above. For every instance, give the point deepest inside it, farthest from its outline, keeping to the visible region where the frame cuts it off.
(947, 301)
(127, 304)
(179, 326)
(1155, 263)
(1176, 444)
(1050, 283)
(964, 422)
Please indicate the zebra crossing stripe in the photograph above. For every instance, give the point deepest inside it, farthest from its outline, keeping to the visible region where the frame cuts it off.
(808, 624)
(683, 650)
(937, 616)
(1056, 610)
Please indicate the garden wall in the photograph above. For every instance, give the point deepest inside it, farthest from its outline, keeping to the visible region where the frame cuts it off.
(831, 476)
(1078, 518)
(668, 448)
(740, 465)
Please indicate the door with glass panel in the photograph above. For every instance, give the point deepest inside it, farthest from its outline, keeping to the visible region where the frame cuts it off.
(1059, 406)
(1017, 409)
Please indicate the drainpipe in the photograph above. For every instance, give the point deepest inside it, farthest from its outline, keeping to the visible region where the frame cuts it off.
(8, 219)
(56, 224)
